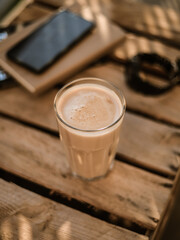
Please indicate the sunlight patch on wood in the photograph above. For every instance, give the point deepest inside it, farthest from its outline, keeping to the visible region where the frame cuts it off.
(25, 229)
(64, 232)
(6, 230)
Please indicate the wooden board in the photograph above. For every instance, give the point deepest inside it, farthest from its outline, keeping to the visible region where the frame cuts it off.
(150, 144)
(127, 192)
(153, 145)
(134, 44)
(26, 215)
(149, 19)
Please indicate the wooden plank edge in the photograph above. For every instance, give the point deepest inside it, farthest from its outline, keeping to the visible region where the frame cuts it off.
(63, 183)
(23, 213)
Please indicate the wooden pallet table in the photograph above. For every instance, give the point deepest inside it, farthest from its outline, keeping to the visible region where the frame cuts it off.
(39, 197)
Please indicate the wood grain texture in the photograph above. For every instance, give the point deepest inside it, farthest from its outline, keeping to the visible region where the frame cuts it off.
(163, 107)
(145, 142)
(149, 144)
(127, 192)
(37, 110)
(28, 216)
(135, 44)
(149, 19)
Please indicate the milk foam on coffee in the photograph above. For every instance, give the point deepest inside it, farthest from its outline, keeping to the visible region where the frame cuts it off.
(89, 107)
(90, 136)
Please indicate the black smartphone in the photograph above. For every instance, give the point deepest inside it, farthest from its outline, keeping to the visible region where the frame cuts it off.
(47, 43)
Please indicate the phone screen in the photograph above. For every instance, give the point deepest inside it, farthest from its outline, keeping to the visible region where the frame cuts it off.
(42, 47)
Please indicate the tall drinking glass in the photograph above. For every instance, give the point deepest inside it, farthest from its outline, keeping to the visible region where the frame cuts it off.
(89, 114)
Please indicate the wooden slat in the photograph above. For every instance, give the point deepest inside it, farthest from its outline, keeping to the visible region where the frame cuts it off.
(153, 145)
(26, 215)
(37, 110)
(149, 144)
(135, 44)
(148, 19)
(127, 192)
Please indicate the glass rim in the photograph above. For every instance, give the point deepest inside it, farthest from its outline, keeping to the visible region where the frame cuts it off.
(122, 99)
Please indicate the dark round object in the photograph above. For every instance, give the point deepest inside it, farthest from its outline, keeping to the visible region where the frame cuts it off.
(145, 86)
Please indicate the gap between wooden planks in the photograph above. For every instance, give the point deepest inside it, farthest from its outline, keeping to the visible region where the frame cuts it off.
(153, 145)
(127, 192)
(26, 215)
(52, 3)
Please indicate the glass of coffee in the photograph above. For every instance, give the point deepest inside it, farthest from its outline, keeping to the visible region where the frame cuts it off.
(89, 113)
